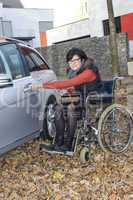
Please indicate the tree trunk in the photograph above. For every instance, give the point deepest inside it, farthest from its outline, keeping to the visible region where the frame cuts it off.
(112, 39)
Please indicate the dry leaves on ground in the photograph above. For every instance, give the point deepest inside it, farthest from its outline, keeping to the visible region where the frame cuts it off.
(27, 174)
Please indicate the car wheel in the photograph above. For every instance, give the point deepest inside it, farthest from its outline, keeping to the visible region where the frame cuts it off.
(49, 128)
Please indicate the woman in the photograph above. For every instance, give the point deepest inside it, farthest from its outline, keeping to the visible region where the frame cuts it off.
(83, 78)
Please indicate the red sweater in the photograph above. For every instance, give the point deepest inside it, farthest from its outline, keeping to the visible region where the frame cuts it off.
(86, 76)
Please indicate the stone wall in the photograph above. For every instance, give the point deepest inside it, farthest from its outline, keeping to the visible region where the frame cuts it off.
(124, 92)
(97, 48)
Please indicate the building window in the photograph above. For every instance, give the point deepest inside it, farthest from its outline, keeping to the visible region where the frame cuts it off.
(45, 25)
(6, 28)
(117, 26)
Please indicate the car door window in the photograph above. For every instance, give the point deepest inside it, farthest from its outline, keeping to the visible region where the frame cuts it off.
(33, 60)
(13, 59)
(2, 66)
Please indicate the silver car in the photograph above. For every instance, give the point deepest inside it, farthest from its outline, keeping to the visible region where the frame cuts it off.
(24, 113)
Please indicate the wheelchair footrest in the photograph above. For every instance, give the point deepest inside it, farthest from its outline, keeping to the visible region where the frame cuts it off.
(68, 153)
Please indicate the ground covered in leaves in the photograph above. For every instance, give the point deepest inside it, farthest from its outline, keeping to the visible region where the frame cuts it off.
(27, 174)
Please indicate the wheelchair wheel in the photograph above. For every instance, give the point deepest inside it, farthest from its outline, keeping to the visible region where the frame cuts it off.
(85, 154)
(115, 128)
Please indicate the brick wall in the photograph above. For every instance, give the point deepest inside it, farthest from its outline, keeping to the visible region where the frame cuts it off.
(98, 48)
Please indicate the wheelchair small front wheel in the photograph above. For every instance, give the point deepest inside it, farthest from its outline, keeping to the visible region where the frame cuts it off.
(85, 154)
(115, 129)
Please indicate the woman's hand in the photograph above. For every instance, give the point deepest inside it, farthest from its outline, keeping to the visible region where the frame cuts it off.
(37, 85)
(71, 90)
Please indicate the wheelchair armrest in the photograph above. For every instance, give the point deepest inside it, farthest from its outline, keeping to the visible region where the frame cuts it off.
(106, 95)
(100, 97)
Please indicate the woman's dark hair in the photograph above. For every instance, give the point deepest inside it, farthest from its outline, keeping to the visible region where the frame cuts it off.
(76, 51)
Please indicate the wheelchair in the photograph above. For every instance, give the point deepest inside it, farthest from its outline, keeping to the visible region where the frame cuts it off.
(102, 122)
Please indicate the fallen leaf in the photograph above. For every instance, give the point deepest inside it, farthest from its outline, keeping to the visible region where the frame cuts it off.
(57, 175)
(58, 196)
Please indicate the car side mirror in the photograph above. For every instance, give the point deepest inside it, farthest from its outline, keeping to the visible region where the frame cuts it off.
(5, 81)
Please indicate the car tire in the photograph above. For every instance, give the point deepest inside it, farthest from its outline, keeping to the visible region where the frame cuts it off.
(49, 128)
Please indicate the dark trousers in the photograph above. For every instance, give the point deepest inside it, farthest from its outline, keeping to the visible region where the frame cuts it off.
(68, 115)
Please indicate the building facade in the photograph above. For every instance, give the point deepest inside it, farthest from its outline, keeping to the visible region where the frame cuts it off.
(11, 4)
(96, 23)
(26, 24)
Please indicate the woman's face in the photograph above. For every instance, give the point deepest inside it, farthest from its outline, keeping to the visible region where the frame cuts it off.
(75, 62)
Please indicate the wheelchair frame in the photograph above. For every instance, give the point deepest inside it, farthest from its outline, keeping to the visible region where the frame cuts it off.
(91, 131)
(120, 130)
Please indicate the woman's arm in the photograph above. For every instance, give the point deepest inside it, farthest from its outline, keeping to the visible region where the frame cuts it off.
(86, 76)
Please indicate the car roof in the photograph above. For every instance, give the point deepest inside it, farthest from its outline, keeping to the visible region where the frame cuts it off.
(3, 40)
(11, 40)
(7, 40)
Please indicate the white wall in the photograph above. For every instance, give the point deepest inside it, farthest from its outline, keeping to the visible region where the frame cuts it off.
(131, 48)
(98, 12)
(93, 26)
(25, 21)
(68, 31)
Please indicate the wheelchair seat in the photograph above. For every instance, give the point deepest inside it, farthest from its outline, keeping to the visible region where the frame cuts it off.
(74, 98)
(103, 95)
